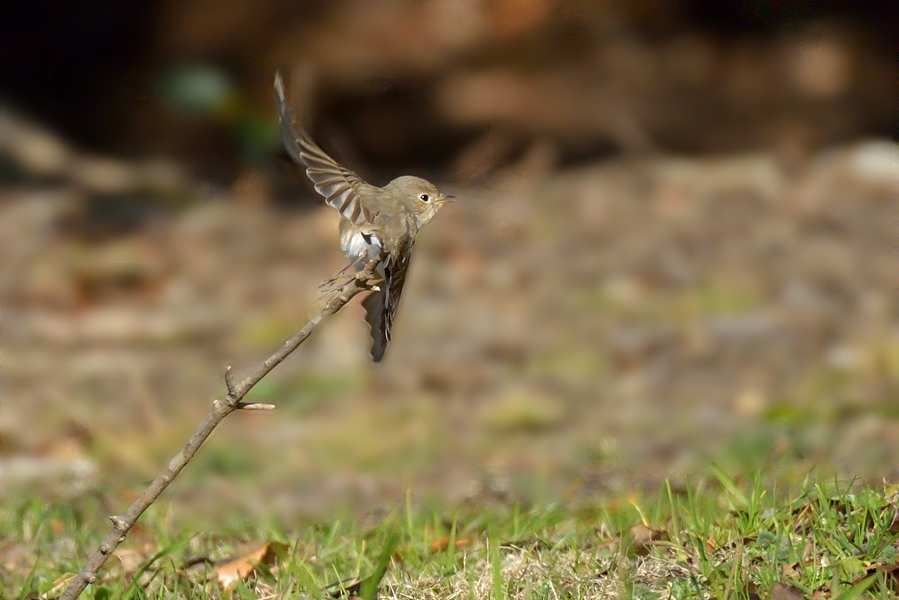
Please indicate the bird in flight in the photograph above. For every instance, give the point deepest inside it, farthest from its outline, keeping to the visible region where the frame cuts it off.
(374, 220)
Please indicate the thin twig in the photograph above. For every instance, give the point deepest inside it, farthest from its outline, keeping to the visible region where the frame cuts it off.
(221, 408)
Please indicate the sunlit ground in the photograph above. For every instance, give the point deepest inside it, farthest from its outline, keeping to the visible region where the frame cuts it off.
(632, 344)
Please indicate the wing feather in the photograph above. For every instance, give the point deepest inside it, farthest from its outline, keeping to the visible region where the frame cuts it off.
(340, 186)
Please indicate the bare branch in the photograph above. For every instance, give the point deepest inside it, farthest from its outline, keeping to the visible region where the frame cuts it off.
(221, 408)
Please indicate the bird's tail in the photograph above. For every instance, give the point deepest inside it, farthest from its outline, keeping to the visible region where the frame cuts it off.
(375, 305)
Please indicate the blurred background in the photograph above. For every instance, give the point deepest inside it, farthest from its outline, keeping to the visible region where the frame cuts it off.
(674, 244)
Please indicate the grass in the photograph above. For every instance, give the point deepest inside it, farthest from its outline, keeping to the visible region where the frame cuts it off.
(719, 539)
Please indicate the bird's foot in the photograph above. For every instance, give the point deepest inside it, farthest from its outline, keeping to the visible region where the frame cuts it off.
(332, 287)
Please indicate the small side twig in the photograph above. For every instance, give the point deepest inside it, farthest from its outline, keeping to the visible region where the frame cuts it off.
(221, 408)
(255, 406)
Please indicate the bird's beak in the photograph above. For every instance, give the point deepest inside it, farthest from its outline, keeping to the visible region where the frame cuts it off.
(446, 199)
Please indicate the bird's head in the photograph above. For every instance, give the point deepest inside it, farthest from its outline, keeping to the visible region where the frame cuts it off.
(419, 194)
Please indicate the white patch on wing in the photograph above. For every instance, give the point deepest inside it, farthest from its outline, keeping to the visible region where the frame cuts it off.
(361, 245)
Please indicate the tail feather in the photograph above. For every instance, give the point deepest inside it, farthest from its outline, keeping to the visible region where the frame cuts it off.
(375, 305)
(381, 306)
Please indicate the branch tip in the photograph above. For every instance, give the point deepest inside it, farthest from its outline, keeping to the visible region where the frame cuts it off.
(254, 406)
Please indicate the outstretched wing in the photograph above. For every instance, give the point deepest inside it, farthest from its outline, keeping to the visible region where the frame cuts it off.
(340, 186)
(381, 306)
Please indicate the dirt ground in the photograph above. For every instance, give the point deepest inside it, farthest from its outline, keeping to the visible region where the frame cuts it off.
(594, 330)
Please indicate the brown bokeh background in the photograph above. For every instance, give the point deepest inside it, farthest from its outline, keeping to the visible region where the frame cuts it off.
(674, 244)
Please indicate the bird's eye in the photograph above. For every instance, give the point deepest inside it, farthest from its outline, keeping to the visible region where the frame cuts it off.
(424, 197)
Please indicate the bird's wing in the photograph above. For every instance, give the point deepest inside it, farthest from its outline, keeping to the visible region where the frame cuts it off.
(381, 306)
(340, 186)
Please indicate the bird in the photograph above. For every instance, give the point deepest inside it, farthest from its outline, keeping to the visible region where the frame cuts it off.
(375, 221)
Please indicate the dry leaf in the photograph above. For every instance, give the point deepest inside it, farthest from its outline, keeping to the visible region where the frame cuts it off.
(783, 591)
(228, 573)
(789, 571)
(644, 538)
(891, 574)
(442, 543)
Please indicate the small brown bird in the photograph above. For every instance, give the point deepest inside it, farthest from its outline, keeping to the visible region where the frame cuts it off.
(374, 219)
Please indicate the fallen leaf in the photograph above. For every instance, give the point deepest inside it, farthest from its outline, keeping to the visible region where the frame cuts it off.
(229, 572)
(783, 591)
(442, 543)
(891, 574)
(645, 538)
(789, 571)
